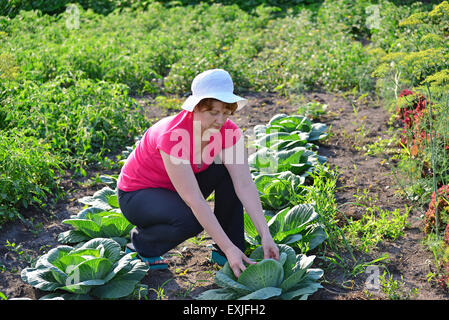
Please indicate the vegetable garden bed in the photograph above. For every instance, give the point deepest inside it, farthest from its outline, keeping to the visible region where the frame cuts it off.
(191, 274)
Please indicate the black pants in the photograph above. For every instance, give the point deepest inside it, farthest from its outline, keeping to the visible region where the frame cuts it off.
(163, 220)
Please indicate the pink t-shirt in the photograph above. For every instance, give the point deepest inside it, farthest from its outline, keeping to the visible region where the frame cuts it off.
(145, 168)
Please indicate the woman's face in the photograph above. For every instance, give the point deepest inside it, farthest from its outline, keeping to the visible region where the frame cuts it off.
(214, 118)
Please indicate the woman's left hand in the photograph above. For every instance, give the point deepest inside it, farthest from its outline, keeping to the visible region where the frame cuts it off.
(270, 249)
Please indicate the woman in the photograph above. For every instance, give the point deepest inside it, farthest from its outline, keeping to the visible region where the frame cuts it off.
(177, 164)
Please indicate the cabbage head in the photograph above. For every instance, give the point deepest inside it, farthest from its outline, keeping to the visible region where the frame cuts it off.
(298, 160)
(98, 268)
(293, 124)
(95, 222)
(278, 190)
(290, 278)
(297, 227)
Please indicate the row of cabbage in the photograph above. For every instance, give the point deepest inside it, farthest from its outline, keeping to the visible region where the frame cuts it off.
(286, 157)
(281, 168)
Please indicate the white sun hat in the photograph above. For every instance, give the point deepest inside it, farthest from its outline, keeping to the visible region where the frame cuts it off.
(214, 83)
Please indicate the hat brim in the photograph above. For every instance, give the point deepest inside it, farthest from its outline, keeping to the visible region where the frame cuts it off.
(227, 97)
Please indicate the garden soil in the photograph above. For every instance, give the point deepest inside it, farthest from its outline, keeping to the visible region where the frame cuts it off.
(354, 123)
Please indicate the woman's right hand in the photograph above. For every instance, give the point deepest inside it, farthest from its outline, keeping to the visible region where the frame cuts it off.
(236, 259)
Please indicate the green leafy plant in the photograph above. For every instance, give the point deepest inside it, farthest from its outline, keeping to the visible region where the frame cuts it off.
(98, 268)
(300, 125)
(298, 160)
(278, 190)
(105, 199)
(297, 227)
(8, 68)
(376, 225)
(312, 110)
(102, 219)
(283, 140)
(289, 278)
(266, 49)
(29, 173)
(95, 222)
(283, 145)
(80, 119)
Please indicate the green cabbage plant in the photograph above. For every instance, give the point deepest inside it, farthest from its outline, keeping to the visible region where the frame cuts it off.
(297, 226)
(289, 278)
(293, 124)
(106, 199)
(286, 144)
(95, 222)
(299, 160)
(283, 140)
(278, 190)
(98, 268)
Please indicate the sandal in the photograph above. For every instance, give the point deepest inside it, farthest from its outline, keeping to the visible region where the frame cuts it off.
(153, 262)
(217, 258)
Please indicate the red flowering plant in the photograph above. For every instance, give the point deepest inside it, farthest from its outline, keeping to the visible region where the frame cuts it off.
(443, 224)
(446, 234)
(443, 279)
(410, 111)
(443, 212)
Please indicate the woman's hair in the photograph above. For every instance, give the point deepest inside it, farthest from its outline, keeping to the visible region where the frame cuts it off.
(206, 104)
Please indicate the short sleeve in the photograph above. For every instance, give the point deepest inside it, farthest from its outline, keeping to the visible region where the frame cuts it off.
(175, 143)
(231, 134)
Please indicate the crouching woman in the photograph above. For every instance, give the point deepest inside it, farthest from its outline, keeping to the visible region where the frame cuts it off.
(177, 164)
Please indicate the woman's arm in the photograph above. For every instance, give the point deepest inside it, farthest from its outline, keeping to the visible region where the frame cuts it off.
(248, 194)
(246, 190)
(185, 183)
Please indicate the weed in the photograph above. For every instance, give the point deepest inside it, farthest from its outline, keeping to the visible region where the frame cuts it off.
(3, 296)
(395, 289)
(376, 225)
(365, 199)
(381, 147)
(160, 291)
(356, 110)
(141, 293)
(199, 239)
(190, 286)
(23, 256)
(34, 228)
(182, 272)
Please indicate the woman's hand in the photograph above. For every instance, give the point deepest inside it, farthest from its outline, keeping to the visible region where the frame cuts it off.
(236, 259)
(270, 249)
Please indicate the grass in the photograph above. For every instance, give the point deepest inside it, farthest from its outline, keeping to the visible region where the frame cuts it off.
(376, 225)
(160, 291)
